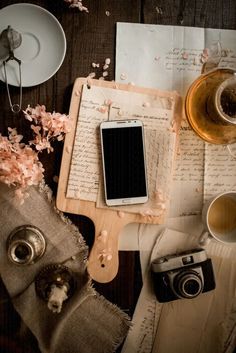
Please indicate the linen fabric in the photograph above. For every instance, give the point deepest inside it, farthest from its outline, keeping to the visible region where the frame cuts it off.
(88, 322)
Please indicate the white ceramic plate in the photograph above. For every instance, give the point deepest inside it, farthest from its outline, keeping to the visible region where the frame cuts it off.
(43, 46)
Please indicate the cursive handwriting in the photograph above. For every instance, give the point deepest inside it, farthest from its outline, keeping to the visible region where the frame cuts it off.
(220, 171)
(85, 170)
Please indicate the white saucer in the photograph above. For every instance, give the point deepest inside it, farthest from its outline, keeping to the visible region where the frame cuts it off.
(43, 46)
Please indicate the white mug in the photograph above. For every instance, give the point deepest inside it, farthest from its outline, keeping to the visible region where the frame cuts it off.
(219, 219)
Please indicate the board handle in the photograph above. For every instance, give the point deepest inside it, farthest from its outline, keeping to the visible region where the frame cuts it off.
(103, 260)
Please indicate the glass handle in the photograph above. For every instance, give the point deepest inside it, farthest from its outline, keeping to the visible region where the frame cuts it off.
(213, 57)
(232, 150)
(204, 238)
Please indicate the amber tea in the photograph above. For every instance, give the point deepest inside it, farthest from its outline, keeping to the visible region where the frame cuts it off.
(222, 216)
(219, 219)
(210, 106)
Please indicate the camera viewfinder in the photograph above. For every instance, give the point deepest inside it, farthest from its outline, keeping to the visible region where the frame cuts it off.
(187, 260)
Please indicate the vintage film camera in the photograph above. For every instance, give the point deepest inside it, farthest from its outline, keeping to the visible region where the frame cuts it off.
(183, 275)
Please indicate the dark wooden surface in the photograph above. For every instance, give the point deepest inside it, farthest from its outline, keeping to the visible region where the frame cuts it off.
(91, 38)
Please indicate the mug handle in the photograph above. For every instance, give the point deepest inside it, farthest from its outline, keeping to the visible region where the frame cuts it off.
(204, 238)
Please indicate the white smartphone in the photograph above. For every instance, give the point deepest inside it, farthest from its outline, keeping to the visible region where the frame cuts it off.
(124, 167)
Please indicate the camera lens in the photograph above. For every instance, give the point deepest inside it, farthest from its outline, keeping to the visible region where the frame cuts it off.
(188, 284)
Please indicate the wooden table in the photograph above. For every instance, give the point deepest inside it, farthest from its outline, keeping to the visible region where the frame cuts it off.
(91, 38)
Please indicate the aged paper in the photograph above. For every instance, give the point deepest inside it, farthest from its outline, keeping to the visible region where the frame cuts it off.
(177, 326)
(157, 114)
(171, 57)
(148, 310)
(220, 171)
(168, 57)
(188, 177)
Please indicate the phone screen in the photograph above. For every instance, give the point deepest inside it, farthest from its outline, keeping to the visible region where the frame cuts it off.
(124, 162)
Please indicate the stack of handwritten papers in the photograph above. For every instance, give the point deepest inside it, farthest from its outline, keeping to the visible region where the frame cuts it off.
(171, 58)
(160, 113)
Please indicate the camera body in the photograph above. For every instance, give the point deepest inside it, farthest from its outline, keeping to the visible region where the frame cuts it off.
(183, 275)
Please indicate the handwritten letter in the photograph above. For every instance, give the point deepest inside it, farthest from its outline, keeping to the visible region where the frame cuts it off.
(84, 173)
(218, 178)
(187, 185)
(157, 116)
(183, 59)
(171, 56)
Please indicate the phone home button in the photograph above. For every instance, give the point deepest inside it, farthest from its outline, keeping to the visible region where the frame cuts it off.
(126, 201)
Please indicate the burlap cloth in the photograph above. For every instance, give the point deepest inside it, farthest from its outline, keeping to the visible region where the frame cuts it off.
(88, 323)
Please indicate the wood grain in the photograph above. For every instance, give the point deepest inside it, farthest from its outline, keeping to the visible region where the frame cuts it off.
(91, 38)
(104, 219)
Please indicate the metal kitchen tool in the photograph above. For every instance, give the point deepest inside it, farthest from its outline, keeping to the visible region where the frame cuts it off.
(25, 245)
(55, 284)
(10, 39)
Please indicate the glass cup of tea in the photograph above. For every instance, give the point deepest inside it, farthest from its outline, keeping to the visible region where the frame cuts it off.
(210, 107)
(219, 219)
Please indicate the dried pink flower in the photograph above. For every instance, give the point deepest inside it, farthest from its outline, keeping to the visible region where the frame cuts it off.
(78, 4)
(121, 214)
(146, 104)
(104, 66)
(185, 55)
(102, 109)
(47, 126)
(92, 74)
(123, 76)
(108, 102)
(105, 254)
(19, 164)
(95, 65)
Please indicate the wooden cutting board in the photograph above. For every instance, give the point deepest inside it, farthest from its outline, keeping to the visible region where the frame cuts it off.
(103, 259)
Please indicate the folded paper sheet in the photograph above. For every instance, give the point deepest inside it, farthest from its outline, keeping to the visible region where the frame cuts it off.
(171, 57)
(168, 57)
(204, 324)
